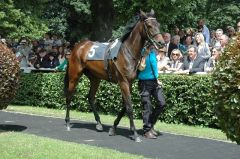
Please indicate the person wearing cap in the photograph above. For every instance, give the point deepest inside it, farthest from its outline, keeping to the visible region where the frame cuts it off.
(149, 87)
(23, 51)
(162, 60)
(63, 65)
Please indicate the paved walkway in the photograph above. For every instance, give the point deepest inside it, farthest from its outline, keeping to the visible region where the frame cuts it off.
(167, 146)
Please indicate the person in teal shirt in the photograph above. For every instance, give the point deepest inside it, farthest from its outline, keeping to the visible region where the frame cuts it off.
(149, 87)
(63, 65)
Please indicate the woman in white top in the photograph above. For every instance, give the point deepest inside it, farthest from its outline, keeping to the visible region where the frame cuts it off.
(202, 47)
(175, 61)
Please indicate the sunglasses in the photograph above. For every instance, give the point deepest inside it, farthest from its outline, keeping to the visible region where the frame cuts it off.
(175, 54)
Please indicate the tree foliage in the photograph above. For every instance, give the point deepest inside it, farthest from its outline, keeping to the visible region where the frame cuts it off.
(15, 23)
(76, 19)
(226, 81)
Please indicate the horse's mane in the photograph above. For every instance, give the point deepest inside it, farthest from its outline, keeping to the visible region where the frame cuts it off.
(129, 27)
(131, 24)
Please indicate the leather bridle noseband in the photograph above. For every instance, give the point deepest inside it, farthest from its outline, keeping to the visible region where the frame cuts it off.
(150, 37)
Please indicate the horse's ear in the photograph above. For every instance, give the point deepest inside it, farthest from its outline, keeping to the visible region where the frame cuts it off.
(152, 12)
(143, 15)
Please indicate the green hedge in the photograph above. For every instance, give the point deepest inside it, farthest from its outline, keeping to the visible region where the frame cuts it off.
(189, 98)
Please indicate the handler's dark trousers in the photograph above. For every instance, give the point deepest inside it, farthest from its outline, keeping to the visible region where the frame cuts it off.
(148, 89)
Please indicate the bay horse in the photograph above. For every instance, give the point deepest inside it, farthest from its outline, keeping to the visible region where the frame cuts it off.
(123, 69)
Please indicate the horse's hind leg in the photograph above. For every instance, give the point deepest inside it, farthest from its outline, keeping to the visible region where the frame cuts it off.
(94, 84)
(112, 130)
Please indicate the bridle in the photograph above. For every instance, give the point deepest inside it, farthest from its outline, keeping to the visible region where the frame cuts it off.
(150, 37)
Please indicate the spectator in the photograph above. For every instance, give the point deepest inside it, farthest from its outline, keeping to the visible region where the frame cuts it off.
(175, 61)
(61, 54)
(41, 59)
(175, 44)
(176, 30)
(202, 47)
(213, 39)
(204, 30)
(192, 63)
(52, 61)
(182, 36)
(210, 65)
(231, 33)
(56, 40)
(48, 42)
(63, 65)
(167, 39)
(223, 41)
(190, 32)
(188, 41)
(162, 60)
(219, 33)
(23, 51)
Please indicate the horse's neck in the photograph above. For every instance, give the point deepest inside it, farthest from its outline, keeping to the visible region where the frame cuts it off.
(135, 42)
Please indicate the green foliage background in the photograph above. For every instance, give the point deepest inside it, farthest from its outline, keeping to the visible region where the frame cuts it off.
(189, 98)
(227, 90)
(73, 19)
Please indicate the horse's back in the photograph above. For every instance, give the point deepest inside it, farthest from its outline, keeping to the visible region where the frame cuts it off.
(79, 59)
(81, 49)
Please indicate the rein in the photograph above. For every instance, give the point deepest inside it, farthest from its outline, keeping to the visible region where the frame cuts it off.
(150, 37)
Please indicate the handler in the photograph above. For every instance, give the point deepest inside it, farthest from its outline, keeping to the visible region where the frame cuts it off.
(150, 87)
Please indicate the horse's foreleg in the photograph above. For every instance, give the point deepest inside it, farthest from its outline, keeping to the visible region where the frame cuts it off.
(71, 80)
(125, 88)
(67, 118)
(94, 84)
(71, 89)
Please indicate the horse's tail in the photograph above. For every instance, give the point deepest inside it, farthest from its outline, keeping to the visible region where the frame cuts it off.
(66, 82)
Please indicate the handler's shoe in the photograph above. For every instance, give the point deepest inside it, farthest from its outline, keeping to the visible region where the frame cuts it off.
(149, 135)
(154, 132)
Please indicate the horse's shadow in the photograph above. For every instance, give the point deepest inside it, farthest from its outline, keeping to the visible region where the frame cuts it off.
(122, 131)
(9, 127)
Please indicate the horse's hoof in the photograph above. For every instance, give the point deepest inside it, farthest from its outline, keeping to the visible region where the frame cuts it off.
(131, 129)
(138, 139)
(112, 132)
(99, 127)
(68, 128)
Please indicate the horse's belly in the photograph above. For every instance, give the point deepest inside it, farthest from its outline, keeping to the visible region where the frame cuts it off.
(96, 68)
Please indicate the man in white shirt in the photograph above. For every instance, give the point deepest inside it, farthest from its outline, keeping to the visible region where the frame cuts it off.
(192, 63)
(167, 39)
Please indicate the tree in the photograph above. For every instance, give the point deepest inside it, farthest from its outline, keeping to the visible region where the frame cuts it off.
(226, 81)
(16, 24)
(102, 18)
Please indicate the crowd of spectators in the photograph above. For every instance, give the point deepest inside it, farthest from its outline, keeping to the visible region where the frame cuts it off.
(187, 50)
(49, 53)
(194, 51)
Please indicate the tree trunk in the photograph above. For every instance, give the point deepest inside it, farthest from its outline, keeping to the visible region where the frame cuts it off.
(102, 17)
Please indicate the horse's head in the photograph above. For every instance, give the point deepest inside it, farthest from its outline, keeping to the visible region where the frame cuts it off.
(151, 29)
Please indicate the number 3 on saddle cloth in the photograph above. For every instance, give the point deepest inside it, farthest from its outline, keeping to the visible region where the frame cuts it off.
(104, 52)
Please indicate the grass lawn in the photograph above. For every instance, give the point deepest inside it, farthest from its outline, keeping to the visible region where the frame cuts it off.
(196, 131)
(24, 146)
